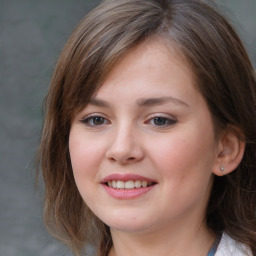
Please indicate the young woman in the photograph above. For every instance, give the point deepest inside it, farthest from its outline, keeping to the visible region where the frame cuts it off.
(149, 140)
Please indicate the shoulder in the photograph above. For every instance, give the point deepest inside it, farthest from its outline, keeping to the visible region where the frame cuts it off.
(230, 247)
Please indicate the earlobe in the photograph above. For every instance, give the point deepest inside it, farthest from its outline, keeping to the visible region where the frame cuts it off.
(231, 148)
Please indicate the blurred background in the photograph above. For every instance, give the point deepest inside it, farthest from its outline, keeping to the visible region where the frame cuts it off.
(32, 33)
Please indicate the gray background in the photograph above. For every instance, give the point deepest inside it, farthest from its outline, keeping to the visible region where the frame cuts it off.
(32, 33)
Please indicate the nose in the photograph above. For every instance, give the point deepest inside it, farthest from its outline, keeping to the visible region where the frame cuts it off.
(125, 146)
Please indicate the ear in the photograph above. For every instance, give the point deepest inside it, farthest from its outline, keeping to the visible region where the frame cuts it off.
(231, 146)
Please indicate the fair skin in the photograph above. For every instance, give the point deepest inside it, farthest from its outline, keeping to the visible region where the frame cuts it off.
(148, 123)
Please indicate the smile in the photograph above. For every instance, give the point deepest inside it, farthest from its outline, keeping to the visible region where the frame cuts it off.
(130, 184)
(127, 186)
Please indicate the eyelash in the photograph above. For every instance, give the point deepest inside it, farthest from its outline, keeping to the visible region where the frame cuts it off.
(91, 118)
(164, 121)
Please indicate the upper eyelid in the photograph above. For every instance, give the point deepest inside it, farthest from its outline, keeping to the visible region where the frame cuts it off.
(167, 116)
(97, 114)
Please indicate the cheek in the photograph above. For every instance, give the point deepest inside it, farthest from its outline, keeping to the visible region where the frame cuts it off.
(185, 169)
(85, 153)
(85, 156)
(186, 155)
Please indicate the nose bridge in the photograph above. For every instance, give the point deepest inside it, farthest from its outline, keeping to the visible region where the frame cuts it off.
(125, 146)
(124, 134)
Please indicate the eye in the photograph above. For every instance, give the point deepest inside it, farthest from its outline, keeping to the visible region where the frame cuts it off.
(161, 121)
(95, 121)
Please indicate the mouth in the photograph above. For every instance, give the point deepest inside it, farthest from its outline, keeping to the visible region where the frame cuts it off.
(129, 184)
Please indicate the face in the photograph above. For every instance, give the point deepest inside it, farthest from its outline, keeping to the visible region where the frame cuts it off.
(144, 148)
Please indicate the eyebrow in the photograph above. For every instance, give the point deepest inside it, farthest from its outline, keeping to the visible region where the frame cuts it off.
(160, 101)
(142, 102)
(98, 103)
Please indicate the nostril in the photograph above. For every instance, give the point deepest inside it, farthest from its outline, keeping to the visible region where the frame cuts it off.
(131, 158)
(112, 159)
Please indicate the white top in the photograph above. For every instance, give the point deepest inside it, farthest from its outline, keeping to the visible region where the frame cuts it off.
(229, 247)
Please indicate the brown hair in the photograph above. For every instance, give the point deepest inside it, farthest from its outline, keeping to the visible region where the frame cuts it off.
(225, 78)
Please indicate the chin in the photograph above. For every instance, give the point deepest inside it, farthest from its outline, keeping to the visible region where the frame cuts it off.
(126, 223)
(128, 228)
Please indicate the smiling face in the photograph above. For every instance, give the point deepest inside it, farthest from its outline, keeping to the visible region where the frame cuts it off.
(144, 148)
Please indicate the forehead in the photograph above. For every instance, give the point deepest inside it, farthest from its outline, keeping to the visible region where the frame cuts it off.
(148, 66)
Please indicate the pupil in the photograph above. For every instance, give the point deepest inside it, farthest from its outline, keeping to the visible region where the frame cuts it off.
(98, 120)
(159, 121)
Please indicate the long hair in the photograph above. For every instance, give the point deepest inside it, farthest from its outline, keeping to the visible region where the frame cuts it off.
(224, 76)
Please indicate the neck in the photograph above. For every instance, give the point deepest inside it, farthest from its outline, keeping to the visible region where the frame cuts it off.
(189, 240)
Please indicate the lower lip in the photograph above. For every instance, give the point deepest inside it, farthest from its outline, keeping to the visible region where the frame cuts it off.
(126, 194)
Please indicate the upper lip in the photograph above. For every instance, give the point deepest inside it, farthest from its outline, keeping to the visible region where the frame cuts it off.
(126, 177)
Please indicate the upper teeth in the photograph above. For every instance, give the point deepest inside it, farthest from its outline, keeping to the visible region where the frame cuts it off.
(130, 184)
